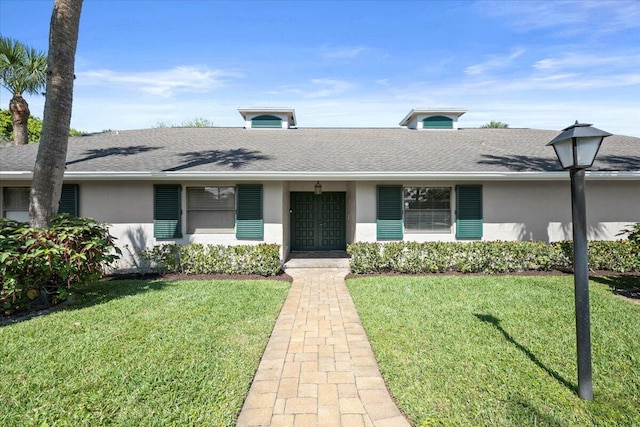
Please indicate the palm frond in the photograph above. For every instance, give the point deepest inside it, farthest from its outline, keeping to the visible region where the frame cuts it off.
(22, 69)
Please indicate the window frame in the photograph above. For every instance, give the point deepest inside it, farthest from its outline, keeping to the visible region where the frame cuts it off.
(437, 122)
(4, 203)
(266, 121)
(211, 230)
(405, 208)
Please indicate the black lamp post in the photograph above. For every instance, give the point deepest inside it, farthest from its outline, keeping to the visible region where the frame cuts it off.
(576, 148)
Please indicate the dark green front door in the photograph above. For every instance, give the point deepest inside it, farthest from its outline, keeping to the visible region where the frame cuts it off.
(318, 221)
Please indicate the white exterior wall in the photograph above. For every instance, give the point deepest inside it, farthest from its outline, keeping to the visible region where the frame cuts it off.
(544, 210)
(522, 210)
(128, 208)
(365, 212)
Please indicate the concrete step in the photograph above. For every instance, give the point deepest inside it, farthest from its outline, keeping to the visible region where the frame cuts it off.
(316, 263)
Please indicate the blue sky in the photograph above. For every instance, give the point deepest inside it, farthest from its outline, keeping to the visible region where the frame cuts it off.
(538, 64)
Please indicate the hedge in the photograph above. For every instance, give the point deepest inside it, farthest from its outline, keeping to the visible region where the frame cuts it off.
(487, 257)
(262, 259)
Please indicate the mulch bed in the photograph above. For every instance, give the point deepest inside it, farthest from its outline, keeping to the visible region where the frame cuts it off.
(184, 276)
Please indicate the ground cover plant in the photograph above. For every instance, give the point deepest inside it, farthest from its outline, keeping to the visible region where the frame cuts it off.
(500, 350)
(139, 353)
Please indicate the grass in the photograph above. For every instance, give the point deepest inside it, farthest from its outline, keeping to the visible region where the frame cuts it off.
(500, 350)
(147, 353)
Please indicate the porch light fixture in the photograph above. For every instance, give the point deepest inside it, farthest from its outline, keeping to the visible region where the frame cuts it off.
(576, 148)
(317, 189)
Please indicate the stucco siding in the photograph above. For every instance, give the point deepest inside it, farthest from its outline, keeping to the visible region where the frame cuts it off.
(365, 212)
(519, 210)
(523, 210)
(128, 208)
(542, 210)
(117, 202)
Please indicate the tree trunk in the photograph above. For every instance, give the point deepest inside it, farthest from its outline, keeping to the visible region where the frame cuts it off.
(48, 172)
(20, 116)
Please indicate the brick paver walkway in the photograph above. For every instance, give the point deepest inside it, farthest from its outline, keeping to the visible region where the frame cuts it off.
(318, 368)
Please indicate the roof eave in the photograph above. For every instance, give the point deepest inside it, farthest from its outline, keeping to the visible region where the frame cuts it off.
(327, 176)
(290, 112)
(417, 111)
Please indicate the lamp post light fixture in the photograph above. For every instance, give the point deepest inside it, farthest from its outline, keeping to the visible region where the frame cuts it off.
(576, 148)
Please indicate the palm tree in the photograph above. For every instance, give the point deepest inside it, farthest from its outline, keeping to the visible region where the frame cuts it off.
(22, 70)
(48, 171)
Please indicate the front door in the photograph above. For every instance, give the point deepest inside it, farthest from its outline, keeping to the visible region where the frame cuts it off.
(318, 221)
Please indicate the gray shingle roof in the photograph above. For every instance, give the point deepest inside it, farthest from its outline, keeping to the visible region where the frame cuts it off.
(339, 150)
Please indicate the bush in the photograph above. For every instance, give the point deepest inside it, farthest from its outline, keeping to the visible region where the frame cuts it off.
(633, 237)
(38, 266)
(486, 257)
(619, 256)
(262, 259)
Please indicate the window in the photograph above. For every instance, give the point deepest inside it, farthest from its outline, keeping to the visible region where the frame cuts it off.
(211, 209)
(266, 121)
(15, 201)
(427, 209)
(437, 122)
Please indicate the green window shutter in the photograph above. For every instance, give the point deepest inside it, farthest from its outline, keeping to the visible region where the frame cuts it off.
(167, 211)
(437, 122)
(266, 122)
(249, 221)
(469, 212)
(389, 212)
(69, 199)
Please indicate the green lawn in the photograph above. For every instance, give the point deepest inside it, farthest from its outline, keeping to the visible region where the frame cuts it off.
(139, 353)
(500, 350)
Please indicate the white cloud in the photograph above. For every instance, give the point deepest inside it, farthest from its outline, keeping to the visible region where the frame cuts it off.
(342, 52)
(322, 88)
(165, 83)
(587, 62)
(592, 18)
(494, 62)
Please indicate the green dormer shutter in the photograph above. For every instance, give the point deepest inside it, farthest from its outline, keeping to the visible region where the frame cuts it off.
(266, 121)
(437, 122)
(389, 212)
(249, 221)
(469, 212)
(69, 199)
(167, 211)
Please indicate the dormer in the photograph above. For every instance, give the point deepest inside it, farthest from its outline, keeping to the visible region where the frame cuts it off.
(432, 118)
(268, 118)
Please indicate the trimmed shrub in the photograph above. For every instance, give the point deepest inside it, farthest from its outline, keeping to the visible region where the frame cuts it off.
(38, 266)
(195, 258)
(619, 256)
(633, 237)
(486, 257)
